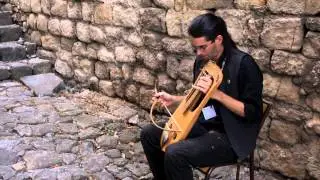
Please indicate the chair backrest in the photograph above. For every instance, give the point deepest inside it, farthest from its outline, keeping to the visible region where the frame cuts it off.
(266, 106)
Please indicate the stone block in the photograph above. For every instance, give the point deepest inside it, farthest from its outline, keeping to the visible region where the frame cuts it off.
(35, 6)
(25, 5)
(63, 68)
(131, 93)
(125, 54)
(45, 7)
(102, 14)
(250, 4)
(92, 50)
(68, 28)
(59, 8)
(172, 66)
(126, 17)
(11, 51)
(44, 54)
(19, 69)
(286, 6)
(288, 63)
(43, 84)
(42, 23)
(105, 55)
(185, 69)
(127, 71)
(64, 55)
(41, 159)
(54, 26)
(79, 49)
(209, 4)
(115, 73)
(67, 43)
(35, 37)
(135, 39)
(166, 83)
(290, 161)
(143, 76)
(312, 78)
(4, 72)
(5, 18)
(166, 4)
(81, 76)
(313, 101)
(294, 113)
(50, 42)
(145, 94)
(312, 7)
(32, 21)
(174, 23)
(271, 83)
(97, 34)
(150, 60)
(311, 45)
(152, 40)
(262, 56)
(74, 10)
(171, 44)
(10, 32)
(83, 32)
(101, 70)
(87, 10)
(153, 19)
(40, 66)
(284, 132)
(106, 88)
(31, 48)
(313, 23)
(273, 37)
(286, 86)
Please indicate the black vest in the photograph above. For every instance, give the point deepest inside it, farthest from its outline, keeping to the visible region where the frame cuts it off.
(241, 134)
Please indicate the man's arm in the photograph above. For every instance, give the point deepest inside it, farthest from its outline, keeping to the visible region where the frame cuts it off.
(249, 103)
(167, 99)
(229, 102)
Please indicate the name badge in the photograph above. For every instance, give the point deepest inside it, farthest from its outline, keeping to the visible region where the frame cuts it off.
(209, 112)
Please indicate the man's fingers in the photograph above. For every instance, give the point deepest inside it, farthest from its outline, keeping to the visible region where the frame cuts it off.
(206, 78)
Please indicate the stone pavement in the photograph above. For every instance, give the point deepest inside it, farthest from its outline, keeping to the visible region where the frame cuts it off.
(82, 135)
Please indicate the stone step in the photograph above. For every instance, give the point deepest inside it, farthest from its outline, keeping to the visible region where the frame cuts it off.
(16, 70)
(43, 84)
(12, 51)
(5, 18)
(10, 32)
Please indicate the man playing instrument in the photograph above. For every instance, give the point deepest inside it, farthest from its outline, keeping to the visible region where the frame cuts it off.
(228, 126)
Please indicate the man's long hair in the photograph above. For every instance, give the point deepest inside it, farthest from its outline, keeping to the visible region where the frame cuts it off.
(210, 26)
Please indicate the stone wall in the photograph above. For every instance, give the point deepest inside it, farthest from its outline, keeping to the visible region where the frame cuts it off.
(124, 47)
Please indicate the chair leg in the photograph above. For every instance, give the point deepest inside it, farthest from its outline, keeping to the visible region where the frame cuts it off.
(208, 174)
(252, 166)
(238, 171)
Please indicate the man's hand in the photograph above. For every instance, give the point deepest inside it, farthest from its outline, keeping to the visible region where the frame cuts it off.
(204, 83)
(164, 98)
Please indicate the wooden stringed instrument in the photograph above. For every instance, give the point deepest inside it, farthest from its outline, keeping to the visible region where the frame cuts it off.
(185, 116)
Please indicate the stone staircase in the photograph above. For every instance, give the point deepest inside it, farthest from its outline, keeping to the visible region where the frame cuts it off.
(17, 57)
(19, 62)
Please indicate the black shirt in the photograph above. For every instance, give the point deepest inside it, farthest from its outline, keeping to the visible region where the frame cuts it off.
(249, 85)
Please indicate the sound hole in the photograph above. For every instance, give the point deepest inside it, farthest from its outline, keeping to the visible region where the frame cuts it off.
(174, 135)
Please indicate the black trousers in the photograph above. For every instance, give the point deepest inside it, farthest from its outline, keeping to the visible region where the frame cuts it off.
(200, 149)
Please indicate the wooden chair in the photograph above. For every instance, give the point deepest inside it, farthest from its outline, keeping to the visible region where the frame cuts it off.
(208, 170)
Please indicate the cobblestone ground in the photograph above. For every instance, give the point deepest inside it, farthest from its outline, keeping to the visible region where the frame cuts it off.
(82, 135)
